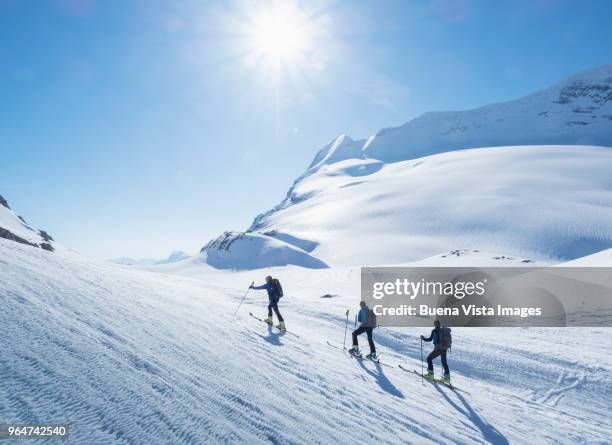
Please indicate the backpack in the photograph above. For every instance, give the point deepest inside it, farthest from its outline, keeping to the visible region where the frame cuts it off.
(278, 289)
(446, 339)
(370, 320)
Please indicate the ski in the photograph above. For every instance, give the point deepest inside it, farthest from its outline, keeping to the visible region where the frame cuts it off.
(337, 347)
(359, 356)
(276, 327)
(448, 385)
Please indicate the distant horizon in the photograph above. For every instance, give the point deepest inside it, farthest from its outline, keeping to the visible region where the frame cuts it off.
(140, 130)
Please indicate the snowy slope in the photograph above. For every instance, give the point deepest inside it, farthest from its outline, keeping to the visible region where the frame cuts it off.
(15, 228)
(541, 202)
(134, 357)
(599, 259)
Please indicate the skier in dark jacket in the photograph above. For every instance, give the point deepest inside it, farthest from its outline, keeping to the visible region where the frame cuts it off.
(367, 320)
(439, 350)
(273, 299)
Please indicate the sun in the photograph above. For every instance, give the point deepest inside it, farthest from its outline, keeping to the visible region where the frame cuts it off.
(281, 35)
(281, 49)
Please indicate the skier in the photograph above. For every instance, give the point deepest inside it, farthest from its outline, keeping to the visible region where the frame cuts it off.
(275, 292)
(367, 320)
(441, 338)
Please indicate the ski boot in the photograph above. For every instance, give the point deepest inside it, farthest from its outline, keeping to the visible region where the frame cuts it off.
(354, 350)
(446, 379)
(372, 356)
(268, 320)
(429, 375)
(281, 326)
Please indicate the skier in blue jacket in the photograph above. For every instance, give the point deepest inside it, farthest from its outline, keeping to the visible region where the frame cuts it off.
(439, 350)
(367, 320)
(273, 299)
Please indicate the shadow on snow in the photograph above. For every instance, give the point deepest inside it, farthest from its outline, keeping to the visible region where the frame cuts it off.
(489, 432)
(381, 379)
(273, 337)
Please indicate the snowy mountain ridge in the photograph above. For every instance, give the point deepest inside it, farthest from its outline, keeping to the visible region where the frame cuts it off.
(15, 228)
(524, 149)
(575, 111)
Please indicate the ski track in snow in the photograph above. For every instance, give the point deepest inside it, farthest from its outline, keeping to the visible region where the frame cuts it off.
(126, 356)
(564, 383)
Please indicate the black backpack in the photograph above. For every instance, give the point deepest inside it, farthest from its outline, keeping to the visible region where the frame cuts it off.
(446, 339)
(278, 289)
(371, 318)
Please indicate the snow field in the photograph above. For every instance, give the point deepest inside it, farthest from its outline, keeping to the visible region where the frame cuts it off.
(127, 356)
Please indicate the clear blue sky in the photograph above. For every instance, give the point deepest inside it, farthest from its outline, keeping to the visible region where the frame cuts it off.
(139, 127)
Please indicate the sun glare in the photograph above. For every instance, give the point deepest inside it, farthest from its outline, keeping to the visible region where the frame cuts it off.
(285, 46)
(281, 35)
(277, 37)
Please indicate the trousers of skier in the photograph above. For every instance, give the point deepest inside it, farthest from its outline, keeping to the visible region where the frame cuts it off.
(441, 339)
(272, 286)
(367, 323)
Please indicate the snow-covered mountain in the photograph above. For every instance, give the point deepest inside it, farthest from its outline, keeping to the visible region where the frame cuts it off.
(239, 250)
(174, 257)
(542, 202)
(576, 111)
(406, 193)
(15, 228)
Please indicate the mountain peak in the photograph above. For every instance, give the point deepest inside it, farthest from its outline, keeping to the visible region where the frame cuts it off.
(593, 86)
(575, 111)
(339, 149)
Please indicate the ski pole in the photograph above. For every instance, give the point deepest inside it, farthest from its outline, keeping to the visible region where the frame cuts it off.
(345, 328)
(421, 361)
(245, 295)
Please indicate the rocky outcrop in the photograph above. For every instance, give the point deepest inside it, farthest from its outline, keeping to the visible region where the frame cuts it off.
(11, 236)
(15, 228)
(3, 202)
